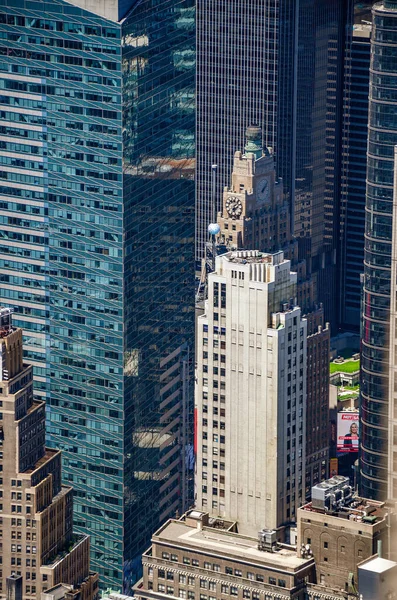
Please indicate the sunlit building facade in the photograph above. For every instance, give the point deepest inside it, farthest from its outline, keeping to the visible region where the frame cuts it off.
(96, 250)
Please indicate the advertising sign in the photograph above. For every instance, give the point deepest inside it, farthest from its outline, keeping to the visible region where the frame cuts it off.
(333, 467)
(348, 432)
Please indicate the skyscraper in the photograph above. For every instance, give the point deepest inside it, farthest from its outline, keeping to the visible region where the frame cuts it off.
(382, 137)
(251, 392)
(353, 167)
(38, 542)
(96, 258)
(276, 64)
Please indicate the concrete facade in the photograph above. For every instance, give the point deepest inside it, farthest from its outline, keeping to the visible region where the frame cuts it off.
(250, 393)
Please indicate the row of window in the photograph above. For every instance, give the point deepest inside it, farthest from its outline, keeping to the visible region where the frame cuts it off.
(204, 583)
(225, 589)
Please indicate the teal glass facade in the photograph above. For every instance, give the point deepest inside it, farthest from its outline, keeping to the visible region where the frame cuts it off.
(96, 252)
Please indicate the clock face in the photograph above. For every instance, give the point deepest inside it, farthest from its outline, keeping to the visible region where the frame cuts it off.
(234, 207)
(263, 190)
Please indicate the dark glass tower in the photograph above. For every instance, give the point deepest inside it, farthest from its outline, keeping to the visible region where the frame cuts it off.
(277, 64)
(382, 137)
(354, 166)
(97, 250)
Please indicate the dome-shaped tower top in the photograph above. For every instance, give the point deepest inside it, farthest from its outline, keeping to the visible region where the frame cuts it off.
(254, 133)
(254, 141)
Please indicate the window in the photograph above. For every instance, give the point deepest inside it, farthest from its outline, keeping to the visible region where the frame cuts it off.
(228, 570)
(182, 578)
(325, 544)
(216, 567)
(233, 590)
(186, 560)
(170, 576)
(170, 590)
(250, 575)
(212, 586)
(182, 594)
(238, 572)
(224, 589)
(207, 565)
(161, 573)
(190, 579)
(174, 557)
(190, 595)
(281, 583)
(165, 555)
(272, 580)
(161, 588)
(203, 583)
(246, 594)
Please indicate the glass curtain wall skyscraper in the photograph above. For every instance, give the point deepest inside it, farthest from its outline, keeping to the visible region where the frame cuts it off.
(276, 64)
(97, 250)
(382, 137)
(354, 165)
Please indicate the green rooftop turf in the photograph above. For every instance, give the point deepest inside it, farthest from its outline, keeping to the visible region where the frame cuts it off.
(349, 366)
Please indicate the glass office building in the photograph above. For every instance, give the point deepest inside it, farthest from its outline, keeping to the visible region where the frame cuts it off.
(276, 64)
(97, 251)
(382, 138)
(354, 166)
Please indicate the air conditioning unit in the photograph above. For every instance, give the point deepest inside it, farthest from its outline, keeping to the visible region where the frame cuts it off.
(267, 540)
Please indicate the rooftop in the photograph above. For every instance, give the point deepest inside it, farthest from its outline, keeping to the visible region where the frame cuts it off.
(254, 256)
(76, 540)
(371, 511)
(228, 544)
(378, 565)
(6, 326)
(49, 454)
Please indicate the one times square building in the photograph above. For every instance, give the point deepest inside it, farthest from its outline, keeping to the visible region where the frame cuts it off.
(96, 250)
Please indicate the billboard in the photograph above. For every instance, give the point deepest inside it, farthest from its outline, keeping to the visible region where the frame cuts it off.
(348, 432)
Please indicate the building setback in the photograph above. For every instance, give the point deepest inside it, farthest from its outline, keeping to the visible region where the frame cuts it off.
(250, 393)
(97, 251)
(38, 542)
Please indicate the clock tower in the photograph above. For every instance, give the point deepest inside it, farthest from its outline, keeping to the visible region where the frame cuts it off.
(254, 213)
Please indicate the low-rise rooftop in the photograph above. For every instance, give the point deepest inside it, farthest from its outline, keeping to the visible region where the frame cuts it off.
(254, 256)
(359, 510)
(228, 544)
